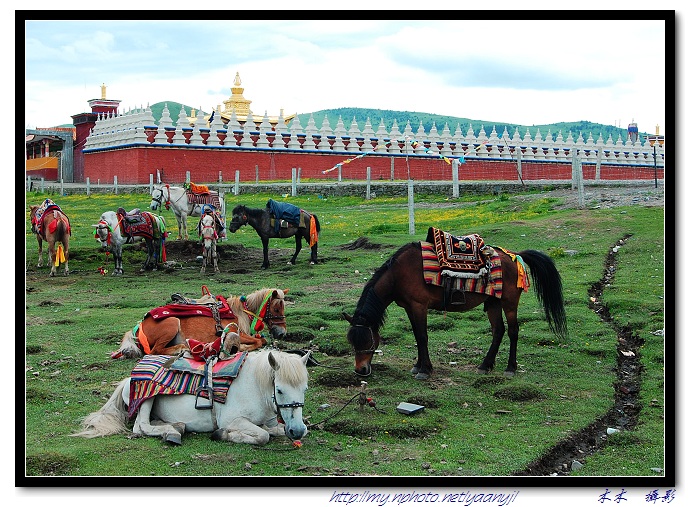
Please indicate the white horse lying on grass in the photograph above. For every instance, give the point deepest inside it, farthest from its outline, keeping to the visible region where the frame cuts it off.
(265, 400)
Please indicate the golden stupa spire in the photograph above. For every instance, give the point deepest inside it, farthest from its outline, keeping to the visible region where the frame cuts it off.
(237, 100)
(103, 91)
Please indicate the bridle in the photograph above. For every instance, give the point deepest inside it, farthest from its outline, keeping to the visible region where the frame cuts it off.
(371, 349)
(279, 416)
(206, 227)
(159, 199)
(239, 223)
(103, 225)
(268, 317)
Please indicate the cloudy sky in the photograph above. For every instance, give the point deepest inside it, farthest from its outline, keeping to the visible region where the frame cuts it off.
(517, 71)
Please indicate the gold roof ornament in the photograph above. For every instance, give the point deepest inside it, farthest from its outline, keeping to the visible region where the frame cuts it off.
(240, 105)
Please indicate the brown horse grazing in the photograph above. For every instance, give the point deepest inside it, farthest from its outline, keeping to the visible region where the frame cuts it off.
(401, 279)
(50, 224)
(168, 335)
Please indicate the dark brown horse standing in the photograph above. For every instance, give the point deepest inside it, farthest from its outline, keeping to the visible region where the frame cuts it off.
(401, 280)
(50, 224)
(301, 225)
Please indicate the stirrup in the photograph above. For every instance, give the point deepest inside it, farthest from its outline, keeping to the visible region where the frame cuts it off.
(209, 392)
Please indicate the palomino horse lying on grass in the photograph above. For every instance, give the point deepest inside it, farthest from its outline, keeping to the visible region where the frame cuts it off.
(165, 330)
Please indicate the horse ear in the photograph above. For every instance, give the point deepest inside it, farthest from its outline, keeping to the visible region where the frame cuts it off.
(272, 361)
(347, 317)
(305, 358)
(285, 291)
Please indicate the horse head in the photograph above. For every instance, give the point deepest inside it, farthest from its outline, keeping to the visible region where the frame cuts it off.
(157, 197)
(365, 339)
(239, 218)
(208, 227)
(290, 382)
(275, 314)
(105, 228)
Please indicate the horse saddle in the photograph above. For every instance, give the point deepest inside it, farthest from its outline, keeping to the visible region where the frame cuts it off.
(133, 217)
(226, 368)
(461, 256)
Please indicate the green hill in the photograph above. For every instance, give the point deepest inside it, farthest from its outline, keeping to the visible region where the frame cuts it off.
(375, 117)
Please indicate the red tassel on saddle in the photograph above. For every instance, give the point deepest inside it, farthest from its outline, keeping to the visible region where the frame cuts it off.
(202, 351)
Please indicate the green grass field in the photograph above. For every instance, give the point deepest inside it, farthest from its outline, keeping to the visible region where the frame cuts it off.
(472, 426)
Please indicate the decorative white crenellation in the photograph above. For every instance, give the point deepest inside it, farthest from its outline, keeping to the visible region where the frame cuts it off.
(339, 133)
(295, 129)
(326, 132)
(310, 132)
(396, 137)
(382, 138)
(368, 134)
(445, 141)
(353, 133)
(247, 129)
(264, 129)
(136, 125)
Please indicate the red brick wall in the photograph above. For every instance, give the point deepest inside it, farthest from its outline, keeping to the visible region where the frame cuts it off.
(133, 165)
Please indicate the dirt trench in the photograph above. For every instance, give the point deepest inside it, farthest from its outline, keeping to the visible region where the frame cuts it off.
(624, 413)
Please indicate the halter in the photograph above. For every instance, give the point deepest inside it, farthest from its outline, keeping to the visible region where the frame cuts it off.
(264, 314)
(371, 337)
(279, 415)
(167, 201)
(243, 221)
(211, 227)
(104, 225)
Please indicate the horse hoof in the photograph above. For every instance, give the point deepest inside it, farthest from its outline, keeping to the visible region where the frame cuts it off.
(414, 370)
(509, 374)
(482, 371)
(421, 376)
(173, 439)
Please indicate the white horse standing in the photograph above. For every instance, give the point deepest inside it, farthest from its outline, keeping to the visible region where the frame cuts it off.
(209, 236)
(264, 400)
(108, 232)
(177, 199)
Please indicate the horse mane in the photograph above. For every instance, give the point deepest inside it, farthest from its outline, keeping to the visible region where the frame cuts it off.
(292, 370)
(369, 306)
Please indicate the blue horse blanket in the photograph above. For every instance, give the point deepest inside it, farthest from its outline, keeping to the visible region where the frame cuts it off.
(284, 211)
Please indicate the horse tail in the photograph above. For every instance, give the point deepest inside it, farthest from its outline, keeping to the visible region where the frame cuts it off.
(109, 420)
(62, 229)
(549, 289)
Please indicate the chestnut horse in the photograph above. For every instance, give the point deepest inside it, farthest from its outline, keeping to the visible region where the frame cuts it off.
(168, 336)
(50, 224)
(401, 280)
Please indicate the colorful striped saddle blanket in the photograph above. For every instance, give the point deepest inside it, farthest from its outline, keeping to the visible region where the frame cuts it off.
(194, 310)
(136, 223)
(491, 285)
(200, 194)
(153, 375)
(460, 256)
